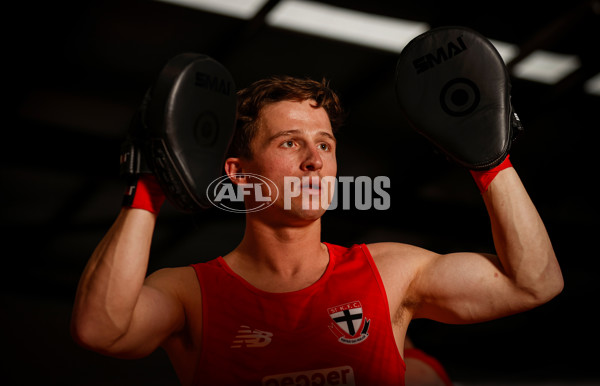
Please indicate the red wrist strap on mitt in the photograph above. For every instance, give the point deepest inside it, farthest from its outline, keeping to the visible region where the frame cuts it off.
(483, 179)
(144, 193)
(415, 353)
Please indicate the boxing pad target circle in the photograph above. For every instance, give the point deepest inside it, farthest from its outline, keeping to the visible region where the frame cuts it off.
(459, 97)
(206, 129)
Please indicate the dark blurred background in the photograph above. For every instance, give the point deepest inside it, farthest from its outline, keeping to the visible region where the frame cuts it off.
(78, 70)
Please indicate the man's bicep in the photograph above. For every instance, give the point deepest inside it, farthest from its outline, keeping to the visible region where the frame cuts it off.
(157, 315)
(465, 288)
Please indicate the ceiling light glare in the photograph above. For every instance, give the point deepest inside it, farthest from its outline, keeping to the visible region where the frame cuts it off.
(546, 67)
(240, 9)
(506, 50)
(592, 85)
(379, 32)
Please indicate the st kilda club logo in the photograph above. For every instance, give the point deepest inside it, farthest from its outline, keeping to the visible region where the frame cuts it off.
(349, 323)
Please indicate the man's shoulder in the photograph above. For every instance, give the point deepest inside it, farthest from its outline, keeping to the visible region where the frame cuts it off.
(395, 250)
(398, 265)
(383, 251)
(399, 258)
(172, 277)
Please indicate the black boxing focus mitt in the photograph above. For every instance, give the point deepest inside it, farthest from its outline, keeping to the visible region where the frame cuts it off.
(454, 89)
(187, 123)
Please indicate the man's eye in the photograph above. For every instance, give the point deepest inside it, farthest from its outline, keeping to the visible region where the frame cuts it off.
(324, 146)
(288, 144)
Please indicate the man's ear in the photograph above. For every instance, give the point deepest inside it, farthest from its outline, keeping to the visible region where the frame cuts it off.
(234, 170)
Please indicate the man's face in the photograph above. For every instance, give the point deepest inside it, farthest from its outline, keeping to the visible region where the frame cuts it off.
(295, 140)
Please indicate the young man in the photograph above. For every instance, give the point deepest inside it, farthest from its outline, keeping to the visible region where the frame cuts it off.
(284, 307)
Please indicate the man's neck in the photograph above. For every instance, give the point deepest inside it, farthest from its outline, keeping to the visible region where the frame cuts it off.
(280, 259)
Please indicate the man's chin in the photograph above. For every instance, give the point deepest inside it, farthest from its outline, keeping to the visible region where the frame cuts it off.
(304, 215)
(312, 214)
(311, 208)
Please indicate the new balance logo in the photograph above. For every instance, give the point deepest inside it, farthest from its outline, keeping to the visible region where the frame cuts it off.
(247, 337)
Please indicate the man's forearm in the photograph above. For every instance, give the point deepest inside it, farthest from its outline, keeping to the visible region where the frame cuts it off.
(520, 237)
(113, 278)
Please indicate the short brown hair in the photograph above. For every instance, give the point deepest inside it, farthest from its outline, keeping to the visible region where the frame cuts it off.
(254, 98)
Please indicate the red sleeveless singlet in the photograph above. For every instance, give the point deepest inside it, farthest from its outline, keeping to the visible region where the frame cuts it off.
(335, 332)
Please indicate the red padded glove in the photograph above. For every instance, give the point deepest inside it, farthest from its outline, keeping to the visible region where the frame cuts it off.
(144, 193)
(483, 179)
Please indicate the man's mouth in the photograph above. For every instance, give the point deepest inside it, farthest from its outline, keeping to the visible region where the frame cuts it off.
(311, 185)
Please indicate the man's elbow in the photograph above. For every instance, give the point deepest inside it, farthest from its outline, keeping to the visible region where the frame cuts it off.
(106, 341)
(86, 336)
(89, 336)
(547, 288)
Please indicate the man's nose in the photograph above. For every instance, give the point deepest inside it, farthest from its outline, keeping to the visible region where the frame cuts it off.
(312, 160)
